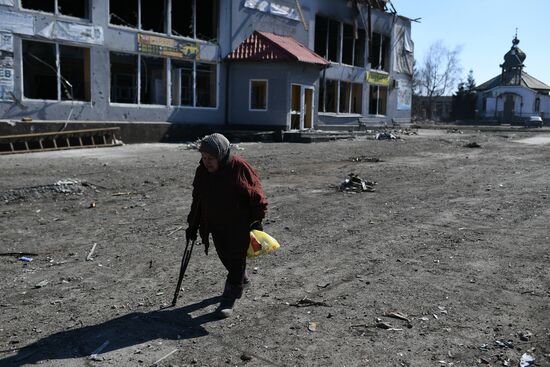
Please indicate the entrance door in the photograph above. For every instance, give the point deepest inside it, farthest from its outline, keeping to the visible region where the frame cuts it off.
(509, 108)
(301, 107)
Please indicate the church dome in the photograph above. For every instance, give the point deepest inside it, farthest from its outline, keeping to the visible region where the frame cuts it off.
(514, 57)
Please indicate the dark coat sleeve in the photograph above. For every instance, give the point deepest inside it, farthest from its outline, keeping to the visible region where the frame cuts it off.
(249, 182)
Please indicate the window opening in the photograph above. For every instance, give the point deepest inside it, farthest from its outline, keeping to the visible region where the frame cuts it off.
(152, 80)
(537, 105)
(152, 15)
(207, 20)
(345, 97)
(331, 90)
(357, 98)
(205, 85)
(377, 100)
(75, 69)
(348, 45)
(333, 40)
(359, 48)
(258, 94)
(55, 72)
(379, 52)
(182, 83)
(321, 31)
(182, 18)
(39, 70)
(124, 12)
(41, 5)
(123, 78)
(72, 8)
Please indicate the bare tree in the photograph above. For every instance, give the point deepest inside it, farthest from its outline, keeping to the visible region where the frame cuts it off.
(438, 73)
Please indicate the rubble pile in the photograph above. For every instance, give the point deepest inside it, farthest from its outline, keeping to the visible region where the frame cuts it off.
(356, 184)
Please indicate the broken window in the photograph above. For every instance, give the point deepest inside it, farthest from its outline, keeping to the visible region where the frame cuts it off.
(55, 72)
(327, 38)
(193, 84)
(347, 45)
(123, 78)
(379, 51)
(75, 73)
(258, 94)
(378, 99)
(206, 20)
(329, 95)
(72, 8)
(195, 19)
(124, 12)
(182, 18)
(206, 85)
(42, 5)
(182, 83)
(351, 97)
(152, 80)
(327, 42)
(359, 48)
(345, 97)
(152, 15)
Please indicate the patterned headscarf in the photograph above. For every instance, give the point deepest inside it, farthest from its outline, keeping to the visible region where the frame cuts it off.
(216, 145)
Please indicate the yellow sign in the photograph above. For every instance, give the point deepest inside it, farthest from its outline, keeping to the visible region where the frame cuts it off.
(375, 77)
(163, 46)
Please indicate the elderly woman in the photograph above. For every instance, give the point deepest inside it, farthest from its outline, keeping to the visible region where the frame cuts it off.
(228, 201)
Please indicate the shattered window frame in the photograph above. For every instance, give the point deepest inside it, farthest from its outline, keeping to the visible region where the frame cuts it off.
(54, 7)
(198, 27)
(192, 90)
(379, 51)
(378, 100)
(341, 98)
(348, 51)
(64, 90)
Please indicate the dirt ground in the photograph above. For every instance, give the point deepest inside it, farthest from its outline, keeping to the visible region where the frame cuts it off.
(455, 240)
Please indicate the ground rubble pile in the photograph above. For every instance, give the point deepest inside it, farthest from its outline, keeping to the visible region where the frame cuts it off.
(354, 183)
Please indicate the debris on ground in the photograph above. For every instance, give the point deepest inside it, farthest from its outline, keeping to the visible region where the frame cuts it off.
(526, 360)
(41, 284)
(25, 259)
(397, 315)
(385, 136)
(365, 158)
(305, 302)
(312, 326)
(454, 131)
(357, 184)
(525, 335)
(67, 187)
(472, 145)
(89, 257)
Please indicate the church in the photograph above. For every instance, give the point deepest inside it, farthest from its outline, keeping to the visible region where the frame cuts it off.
(513, 96)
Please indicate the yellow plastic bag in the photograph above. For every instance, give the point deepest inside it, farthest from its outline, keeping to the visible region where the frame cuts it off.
(261, 243)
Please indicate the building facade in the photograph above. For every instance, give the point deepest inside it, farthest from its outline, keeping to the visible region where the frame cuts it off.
(176, 61)
(513, 96)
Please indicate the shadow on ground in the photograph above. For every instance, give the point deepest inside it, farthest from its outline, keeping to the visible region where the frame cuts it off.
(122, 332)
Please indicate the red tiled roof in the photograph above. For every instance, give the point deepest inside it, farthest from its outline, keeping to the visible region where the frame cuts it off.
(261, 46)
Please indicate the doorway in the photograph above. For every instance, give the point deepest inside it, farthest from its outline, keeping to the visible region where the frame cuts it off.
(301, 107)
(509, 107)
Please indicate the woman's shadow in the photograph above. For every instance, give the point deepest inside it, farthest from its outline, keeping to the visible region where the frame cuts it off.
(121, 332)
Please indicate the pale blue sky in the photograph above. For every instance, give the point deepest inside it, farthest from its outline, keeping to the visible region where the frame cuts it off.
(484, 29)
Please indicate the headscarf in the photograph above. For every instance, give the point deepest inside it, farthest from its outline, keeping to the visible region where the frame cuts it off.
(216, 145)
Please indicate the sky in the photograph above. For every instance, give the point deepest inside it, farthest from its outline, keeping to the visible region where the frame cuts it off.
(484, 29)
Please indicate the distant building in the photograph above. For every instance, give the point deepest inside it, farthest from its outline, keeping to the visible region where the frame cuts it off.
(277, 64)
(513, 96)
(439, 109)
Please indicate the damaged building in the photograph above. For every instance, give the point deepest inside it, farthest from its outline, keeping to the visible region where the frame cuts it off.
(247, 64)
